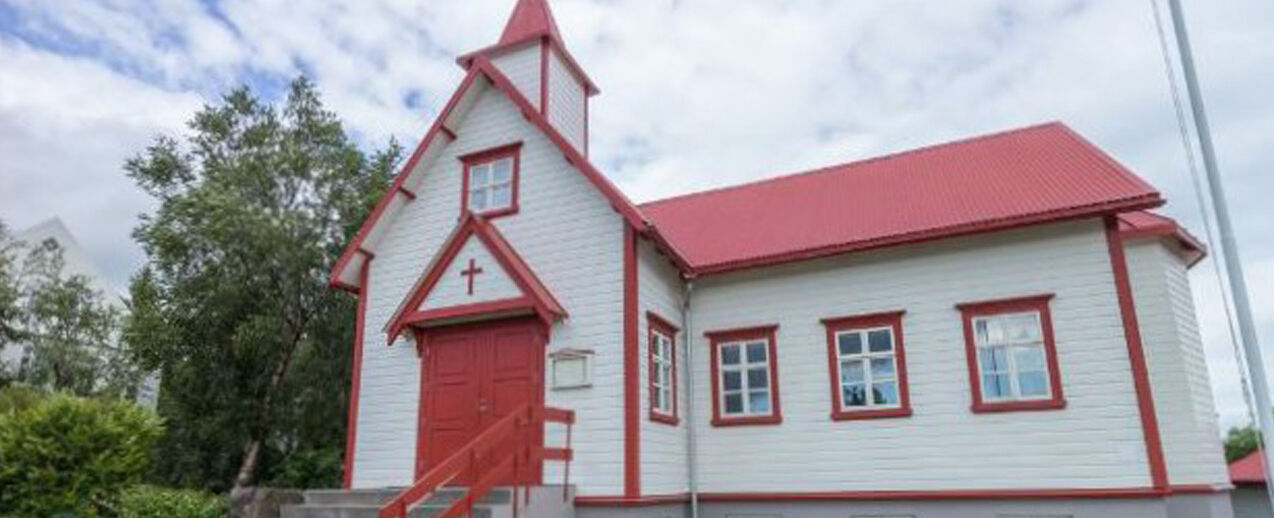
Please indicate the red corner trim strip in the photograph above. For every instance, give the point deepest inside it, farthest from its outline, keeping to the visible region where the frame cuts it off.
(632, 385)
(1136, 356)
(356, 375)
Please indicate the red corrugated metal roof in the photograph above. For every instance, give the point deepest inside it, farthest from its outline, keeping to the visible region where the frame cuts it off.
(529, 18)
(1022, 176)
(1249, 469)
(1144, 223)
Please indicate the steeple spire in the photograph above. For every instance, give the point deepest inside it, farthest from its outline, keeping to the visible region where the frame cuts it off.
(530, 18)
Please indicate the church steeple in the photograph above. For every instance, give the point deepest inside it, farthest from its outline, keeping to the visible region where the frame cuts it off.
(531, 54)
(529, 18)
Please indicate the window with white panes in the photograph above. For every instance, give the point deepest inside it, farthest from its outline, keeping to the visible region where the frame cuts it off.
(661, 375)
(744, 376)
(868, 368)
(1012, 360)
(491, 185)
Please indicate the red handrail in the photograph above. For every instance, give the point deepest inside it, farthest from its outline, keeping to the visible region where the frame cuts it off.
(473, 457)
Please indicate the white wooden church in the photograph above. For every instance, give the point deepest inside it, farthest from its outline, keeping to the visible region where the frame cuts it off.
(991, 327)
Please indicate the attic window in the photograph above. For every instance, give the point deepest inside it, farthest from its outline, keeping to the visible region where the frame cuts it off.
(490, 185)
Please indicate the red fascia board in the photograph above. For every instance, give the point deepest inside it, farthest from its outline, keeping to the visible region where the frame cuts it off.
(1141, 202)
(500, 306)
(397, 187)
(590, 88)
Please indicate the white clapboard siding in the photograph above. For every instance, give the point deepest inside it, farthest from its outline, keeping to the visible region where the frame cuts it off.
(566, 101)
(1096, 441)
(569, 236)
(663, 446)
(452, 289)
(1178, 369)
(522, 67)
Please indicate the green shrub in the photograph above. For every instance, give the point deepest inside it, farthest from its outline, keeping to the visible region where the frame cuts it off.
(19, 397)
(70, 456)
(159, 502)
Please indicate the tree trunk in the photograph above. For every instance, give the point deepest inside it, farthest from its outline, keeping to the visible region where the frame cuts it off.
(259, 426)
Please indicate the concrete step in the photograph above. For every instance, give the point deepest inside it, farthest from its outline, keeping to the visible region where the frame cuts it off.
(366, 503)
(345, 511)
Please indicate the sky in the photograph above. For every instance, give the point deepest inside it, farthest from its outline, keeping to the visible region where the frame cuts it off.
(695, 94)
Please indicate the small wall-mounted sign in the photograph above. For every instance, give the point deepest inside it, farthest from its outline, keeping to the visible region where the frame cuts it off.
(571, 368)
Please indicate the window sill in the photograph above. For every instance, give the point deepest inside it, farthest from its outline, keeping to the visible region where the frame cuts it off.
(747, 421)
(664, 418)
(1018, 406)
(879, 413)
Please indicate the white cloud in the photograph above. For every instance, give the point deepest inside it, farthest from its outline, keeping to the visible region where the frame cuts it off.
(696, 93)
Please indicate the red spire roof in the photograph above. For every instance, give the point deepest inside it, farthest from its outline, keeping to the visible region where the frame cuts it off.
(529, 18)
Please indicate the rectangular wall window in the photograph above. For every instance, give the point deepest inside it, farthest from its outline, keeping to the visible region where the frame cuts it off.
(491, 181)
(867, 367)
(745, 386)
(1012, 358)
(662, 356)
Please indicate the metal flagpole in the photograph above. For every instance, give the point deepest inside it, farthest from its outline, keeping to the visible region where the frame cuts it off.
(1229, 249)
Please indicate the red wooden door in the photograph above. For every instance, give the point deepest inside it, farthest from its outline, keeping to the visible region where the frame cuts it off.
(472, 375)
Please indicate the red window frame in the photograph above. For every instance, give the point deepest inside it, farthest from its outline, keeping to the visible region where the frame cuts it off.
(891, 319)
(658, 324)
(469, 160)
(715, 340)
(1039, 303)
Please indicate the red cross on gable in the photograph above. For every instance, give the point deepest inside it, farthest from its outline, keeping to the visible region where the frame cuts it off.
(533, 296)
(470, 272)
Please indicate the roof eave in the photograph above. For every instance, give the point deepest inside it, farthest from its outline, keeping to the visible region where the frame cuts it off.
(1146, 201)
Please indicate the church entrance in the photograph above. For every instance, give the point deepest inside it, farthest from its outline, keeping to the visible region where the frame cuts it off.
(471, 376)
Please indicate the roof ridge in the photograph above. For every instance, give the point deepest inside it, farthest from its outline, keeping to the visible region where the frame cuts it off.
(877, 158)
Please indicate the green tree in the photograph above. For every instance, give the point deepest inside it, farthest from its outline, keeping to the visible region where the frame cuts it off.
(1239, 442)
(233, 304)
(71, 330)
(10, 291)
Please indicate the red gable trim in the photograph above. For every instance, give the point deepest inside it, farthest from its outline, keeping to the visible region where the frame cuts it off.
(1136, 356)
(396, 188)
(535, 295)
(482, 66)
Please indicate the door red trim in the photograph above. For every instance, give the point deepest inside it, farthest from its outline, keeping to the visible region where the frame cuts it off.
(425, 335)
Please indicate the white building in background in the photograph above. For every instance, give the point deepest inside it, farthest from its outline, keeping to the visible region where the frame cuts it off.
(77, 261)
